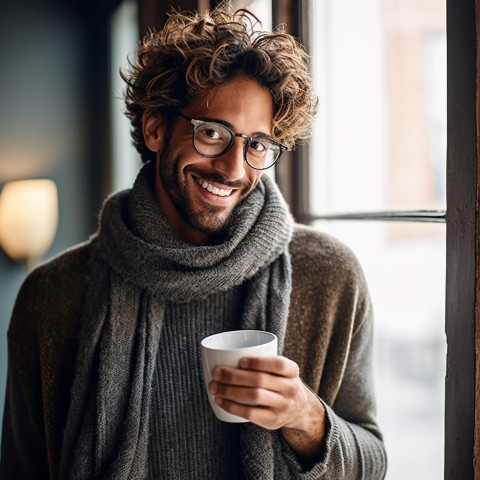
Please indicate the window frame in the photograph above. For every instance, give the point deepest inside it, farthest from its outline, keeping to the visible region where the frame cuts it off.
(462, 257)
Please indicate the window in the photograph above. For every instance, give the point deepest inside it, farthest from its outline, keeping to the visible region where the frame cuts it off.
(379, 146)
(124, 37)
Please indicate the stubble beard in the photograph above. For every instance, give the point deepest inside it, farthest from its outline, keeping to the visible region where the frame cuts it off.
(205, 218)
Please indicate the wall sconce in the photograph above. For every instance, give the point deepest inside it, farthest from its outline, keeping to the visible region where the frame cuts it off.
(28, 219)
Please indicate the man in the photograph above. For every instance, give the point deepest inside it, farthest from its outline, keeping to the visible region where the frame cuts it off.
(104, 367)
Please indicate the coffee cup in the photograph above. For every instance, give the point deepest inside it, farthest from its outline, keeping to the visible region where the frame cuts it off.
(227, 348)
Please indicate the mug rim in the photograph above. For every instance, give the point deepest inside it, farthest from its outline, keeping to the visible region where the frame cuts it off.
(270, 338)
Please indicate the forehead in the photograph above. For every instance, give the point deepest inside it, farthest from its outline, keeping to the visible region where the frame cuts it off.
(242, 102)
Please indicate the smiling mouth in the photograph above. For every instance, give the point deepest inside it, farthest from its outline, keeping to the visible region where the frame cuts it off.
(212, 189)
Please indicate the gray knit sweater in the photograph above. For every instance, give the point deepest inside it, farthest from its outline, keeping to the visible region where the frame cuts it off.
(329, 333)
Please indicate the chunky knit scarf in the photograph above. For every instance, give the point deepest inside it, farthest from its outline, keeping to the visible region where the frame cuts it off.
(138, 257)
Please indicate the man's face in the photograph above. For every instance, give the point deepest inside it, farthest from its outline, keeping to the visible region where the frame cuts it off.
(187, 183)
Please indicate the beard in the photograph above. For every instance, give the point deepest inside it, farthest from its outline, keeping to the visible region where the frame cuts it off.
(197, 213)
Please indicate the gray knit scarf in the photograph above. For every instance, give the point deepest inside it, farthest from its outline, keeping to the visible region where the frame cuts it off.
(137, 257)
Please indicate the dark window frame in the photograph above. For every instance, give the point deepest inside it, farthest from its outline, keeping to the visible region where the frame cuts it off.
(462, 257)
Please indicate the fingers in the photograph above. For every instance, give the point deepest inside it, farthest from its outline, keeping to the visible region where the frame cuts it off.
(258, 372)
(275, 365)
(246, 378)
(257, 397)
(265, 408)
(267, 418)
(267, 391)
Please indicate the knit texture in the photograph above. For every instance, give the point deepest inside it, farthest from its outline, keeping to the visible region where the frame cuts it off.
(139, 267)
(181, 416)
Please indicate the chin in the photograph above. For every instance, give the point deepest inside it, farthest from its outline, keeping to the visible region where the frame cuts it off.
(210, 228)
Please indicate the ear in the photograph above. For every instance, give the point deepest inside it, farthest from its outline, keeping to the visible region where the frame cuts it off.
(153, 128)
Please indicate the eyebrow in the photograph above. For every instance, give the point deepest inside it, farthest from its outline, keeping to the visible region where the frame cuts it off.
(230, 126)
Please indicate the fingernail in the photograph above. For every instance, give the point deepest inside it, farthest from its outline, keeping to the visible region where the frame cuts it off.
(218, 400)
(217, 374)
(212, 387)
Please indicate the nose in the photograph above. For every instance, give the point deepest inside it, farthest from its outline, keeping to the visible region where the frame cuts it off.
(232, 163)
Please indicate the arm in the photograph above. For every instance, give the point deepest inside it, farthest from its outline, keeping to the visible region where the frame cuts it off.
(354, 434)
(353, 446)
(23, 441)
(42, 346)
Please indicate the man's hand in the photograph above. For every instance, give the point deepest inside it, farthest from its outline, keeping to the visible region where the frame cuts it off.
(279, 398)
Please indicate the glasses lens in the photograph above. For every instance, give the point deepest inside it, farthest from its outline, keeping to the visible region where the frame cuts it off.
(211, 138)
(262, 153)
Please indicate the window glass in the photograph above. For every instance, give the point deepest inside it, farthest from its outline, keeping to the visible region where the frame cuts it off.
(262, 9)
(380, 71)
(379, 144)
(405, 270)
(124, 39)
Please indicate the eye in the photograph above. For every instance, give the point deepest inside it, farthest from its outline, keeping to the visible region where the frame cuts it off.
(211, 132)
(259, 147)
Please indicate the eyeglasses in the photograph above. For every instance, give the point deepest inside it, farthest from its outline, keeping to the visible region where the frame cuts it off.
(213, 139)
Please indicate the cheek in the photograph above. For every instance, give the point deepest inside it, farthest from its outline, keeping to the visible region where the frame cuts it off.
(186, 156)
(257, 174)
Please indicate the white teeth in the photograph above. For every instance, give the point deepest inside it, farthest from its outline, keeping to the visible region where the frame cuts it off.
(215, 190)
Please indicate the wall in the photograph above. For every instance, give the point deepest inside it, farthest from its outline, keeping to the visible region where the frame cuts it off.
(47, 54)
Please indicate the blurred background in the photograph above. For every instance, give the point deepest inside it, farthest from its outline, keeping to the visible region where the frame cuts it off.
(375, 164)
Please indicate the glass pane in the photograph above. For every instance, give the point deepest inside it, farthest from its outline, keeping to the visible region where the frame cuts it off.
(379, 142)
(124, 38)
(260, 8)
(405, 268)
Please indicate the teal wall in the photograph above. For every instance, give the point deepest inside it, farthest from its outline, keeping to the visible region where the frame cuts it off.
(53, 120)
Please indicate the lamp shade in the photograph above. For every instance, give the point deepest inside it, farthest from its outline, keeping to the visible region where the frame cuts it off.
(28, 218)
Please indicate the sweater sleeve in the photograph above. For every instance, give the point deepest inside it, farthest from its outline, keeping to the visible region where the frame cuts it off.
(354, 448)
(23, 438)
(42, 346)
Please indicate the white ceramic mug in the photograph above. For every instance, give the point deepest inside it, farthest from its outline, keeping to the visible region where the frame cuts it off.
(227, 348)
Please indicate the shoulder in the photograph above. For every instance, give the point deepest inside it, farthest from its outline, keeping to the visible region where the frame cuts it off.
(43, 340)
(328, 283)
(52, 292)
(54, 279)
(329, 303)
(318, 256)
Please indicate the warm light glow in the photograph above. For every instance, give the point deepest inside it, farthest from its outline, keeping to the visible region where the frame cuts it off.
(28, 218)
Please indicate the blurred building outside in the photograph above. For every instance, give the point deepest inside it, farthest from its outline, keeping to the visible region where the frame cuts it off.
(379, 144)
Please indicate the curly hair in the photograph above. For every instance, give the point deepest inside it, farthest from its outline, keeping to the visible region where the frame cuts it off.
(194, 53)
